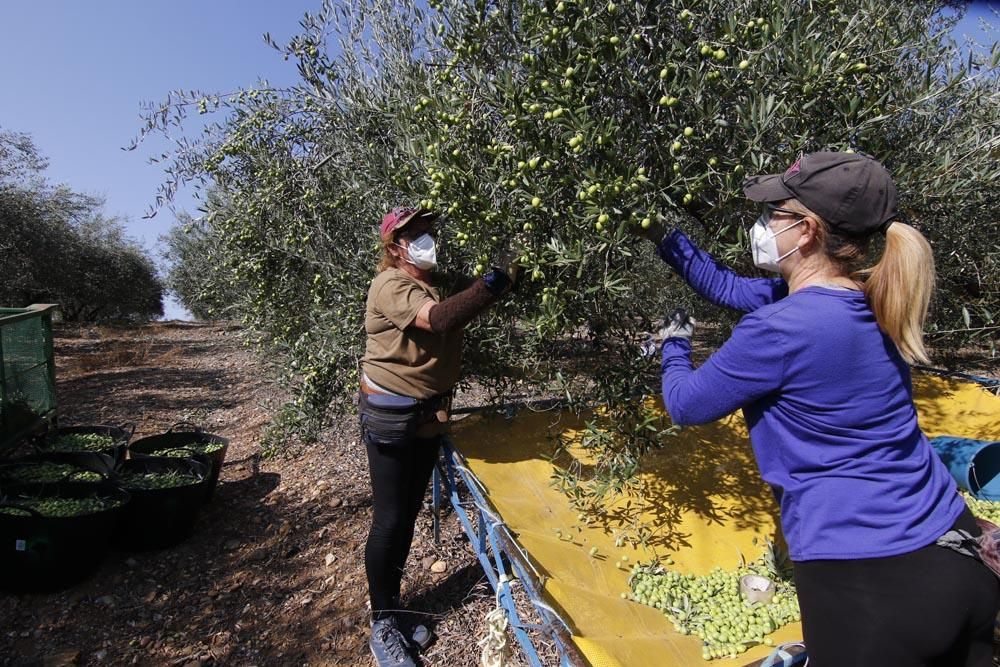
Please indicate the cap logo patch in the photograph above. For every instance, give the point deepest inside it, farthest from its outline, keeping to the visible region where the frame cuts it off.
(794, 169)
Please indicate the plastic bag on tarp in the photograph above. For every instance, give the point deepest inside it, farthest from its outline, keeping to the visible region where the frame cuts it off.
(975, 464)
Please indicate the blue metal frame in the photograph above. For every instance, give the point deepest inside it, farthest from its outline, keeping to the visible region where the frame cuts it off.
(495, 549)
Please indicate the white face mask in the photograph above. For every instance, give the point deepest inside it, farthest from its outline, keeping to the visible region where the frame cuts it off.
(764, 244)
(422, 252)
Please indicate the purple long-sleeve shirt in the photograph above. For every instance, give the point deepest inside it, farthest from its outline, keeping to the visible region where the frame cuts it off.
(829, 405)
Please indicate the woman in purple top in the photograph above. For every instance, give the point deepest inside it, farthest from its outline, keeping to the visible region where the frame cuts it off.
(819, 366)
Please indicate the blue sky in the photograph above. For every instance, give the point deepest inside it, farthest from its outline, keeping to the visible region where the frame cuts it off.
(73, 75)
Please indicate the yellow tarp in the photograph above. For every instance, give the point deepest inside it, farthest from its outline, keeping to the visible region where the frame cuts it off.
(702, 496)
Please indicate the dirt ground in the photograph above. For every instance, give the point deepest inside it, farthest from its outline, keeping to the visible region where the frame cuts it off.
(273, 573)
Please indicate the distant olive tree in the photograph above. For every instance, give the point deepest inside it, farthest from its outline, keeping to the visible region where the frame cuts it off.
(19, 159)
(194, 273)
(57, 246)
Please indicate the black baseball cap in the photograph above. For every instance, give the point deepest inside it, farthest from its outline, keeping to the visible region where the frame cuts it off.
(853, 192)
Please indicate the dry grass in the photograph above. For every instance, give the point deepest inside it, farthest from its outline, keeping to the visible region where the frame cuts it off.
(111, 348)
(169, 357)
(112, 355)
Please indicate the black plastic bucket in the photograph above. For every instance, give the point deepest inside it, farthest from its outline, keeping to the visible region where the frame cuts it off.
(160, 517)
(191, 441)
(54, 467)
(99, 462)
(119, 434)
(47, 553)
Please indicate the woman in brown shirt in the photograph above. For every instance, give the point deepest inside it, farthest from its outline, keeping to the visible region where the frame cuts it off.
(411, 363)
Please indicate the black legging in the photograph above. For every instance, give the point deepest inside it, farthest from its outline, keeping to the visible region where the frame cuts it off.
(930, 607)
(399, 475)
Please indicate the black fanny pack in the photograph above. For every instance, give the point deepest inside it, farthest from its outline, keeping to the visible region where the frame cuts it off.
(392, 420)
(984, 547)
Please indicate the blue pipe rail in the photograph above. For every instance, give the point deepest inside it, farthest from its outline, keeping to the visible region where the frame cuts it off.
(496, 551)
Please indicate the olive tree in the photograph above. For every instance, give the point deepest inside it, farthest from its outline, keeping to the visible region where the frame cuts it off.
(557, 127)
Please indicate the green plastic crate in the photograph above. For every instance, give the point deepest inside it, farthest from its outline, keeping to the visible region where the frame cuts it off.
(27, 372)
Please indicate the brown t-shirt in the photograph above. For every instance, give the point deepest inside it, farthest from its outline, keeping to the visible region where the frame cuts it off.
(400, 357)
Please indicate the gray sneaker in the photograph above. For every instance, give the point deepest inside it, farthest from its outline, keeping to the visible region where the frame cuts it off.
(388, 644)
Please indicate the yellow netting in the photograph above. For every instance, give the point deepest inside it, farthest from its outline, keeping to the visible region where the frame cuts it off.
(702, 495)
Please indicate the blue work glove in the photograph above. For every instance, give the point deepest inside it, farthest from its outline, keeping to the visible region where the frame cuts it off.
(654, 232)
(502, 275)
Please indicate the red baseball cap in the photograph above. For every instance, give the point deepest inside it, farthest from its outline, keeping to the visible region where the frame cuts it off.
(400, 216)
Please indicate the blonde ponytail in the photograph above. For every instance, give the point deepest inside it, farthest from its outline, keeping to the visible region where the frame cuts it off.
(899, 289)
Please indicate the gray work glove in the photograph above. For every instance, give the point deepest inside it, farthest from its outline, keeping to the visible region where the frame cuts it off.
(677, 325)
